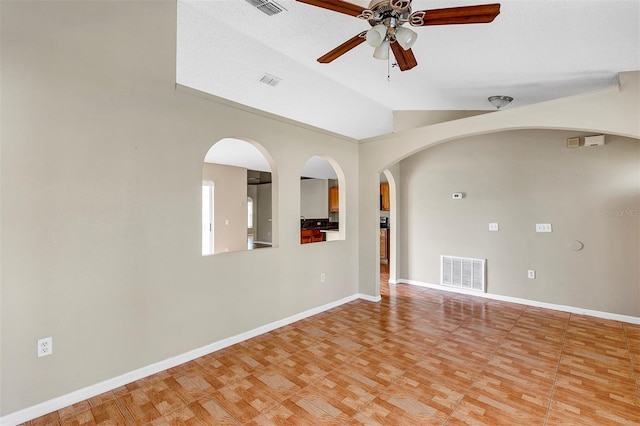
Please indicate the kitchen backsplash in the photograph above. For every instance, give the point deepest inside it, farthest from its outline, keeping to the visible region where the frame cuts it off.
(318, 224)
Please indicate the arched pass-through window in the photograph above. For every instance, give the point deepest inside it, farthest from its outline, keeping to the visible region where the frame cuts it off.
(240, 176)
(322, 201)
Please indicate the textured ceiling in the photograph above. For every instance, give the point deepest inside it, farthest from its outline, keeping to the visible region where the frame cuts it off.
(534, 51)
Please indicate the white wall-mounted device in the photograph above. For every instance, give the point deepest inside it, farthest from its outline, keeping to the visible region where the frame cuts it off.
(543, 227)
(594, 140)
(573, 142)
(457, 195)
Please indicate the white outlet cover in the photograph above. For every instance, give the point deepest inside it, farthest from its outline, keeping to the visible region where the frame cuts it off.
(531, 274)
(45, 346)
(494, 227)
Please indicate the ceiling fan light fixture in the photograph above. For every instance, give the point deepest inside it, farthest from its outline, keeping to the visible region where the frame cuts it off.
(405, 37)
(376, 35)
(382, 51)
(500, 101)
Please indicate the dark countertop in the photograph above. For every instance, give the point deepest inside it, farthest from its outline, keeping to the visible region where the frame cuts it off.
(321, 224)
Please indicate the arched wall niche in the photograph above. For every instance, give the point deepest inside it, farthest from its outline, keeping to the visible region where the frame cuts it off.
(237, 169)
(322, 200)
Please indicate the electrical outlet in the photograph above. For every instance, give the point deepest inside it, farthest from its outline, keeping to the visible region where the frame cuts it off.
(532, 274)
(494, 227)
(45, 346)
(323, 277)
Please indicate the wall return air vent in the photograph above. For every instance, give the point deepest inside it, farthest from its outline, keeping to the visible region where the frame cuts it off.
(268, 7)
(462, 272)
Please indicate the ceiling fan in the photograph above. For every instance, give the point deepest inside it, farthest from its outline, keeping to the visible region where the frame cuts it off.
(387, 18)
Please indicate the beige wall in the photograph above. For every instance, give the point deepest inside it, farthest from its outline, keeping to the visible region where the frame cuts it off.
(410, 119)
(101, 172)
(518, 179)
(230, 206)
(314, 198)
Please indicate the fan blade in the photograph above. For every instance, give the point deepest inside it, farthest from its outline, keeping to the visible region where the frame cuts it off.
(336, 6)
(481, 14)
(405, 58)
(342, 49)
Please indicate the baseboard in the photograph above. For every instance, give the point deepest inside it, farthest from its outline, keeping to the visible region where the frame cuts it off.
(370, 298)
(564, 308)
(54, 404)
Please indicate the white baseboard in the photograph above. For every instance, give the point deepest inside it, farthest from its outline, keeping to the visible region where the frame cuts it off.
(54, 404)
(370, 298)
(528, 302)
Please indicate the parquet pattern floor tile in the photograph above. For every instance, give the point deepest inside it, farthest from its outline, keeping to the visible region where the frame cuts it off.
(419, 357)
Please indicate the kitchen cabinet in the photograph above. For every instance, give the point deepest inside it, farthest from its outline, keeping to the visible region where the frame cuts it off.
(311, 236)
(384, 197)
(384, 246)
(334, 199)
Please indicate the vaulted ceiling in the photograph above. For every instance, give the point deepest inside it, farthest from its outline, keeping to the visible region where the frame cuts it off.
(535, 50)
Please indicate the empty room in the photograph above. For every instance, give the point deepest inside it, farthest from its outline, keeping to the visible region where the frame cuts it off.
(258, 212)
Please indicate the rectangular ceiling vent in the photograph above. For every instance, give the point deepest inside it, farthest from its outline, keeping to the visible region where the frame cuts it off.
(462, 272)
(268, 7)
(270, 80)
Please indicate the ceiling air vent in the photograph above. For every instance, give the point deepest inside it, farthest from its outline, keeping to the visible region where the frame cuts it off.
(267, 6)
(270, 80)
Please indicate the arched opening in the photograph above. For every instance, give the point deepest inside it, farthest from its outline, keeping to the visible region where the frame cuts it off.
(322, 206)
(237, 201)
(388, 227)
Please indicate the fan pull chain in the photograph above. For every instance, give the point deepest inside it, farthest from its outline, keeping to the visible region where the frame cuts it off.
(388, 68)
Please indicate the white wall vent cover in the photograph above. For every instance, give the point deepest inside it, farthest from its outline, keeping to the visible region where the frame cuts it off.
(462, 272)
(267, 6)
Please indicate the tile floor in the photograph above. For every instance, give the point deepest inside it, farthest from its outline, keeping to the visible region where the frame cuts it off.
(420, 357)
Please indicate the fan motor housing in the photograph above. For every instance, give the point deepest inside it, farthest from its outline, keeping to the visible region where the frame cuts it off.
(384, 12)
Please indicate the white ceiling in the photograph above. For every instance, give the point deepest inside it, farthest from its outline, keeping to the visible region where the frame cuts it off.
(535, 50)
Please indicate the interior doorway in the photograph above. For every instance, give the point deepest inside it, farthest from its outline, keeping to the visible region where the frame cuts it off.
(387, 228)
